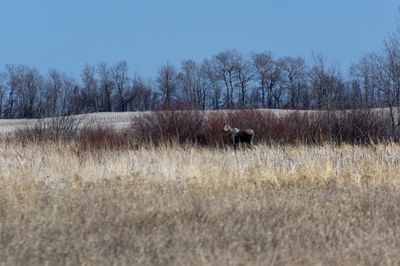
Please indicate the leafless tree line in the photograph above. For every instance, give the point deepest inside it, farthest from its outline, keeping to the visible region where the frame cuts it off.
(227, 80)
(27, 93)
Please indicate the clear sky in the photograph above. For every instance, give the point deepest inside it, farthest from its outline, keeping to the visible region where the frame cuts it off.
(66, 34)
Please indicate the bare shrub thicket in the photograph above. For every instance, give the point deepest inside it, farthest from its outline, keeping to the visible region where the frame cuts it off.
(363, 126)
(54, 129)
(99, 137)
(355, 127)
(166, 127)
(205, 128)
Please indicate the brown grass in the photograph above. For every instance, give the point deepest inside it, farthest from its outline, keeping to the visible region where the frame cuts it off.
(182, 205)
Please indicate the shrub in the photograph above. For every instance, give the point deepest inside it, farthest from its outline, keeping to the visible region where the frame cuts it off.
(360, 127)
(205, 128)
(166, 127)
(55, 129)
(313, 127)
(100, 138)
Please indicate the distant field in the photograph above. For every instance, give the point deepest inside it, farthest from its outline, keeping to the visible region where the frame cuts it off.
(114, 119)
(123, 119)
(110, 119)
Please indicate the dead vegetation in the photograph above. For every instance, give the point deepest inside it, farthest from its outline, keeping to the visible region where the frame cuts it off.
(316, 189)
(188, 205)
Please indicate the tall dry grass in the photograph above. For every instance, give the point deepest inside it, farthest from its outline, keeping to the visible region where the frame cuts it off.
(185, 205)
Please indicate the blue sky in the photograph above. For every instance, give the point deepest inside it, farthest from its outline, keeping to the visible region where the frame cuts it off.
(67, 34)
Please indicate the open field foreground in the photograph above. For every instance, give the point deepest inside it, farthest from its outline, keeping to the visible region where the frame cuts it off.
(277, 205)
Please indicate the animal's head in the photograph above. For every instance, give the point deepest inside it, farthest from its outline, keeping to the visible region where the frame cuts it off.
(227, 128)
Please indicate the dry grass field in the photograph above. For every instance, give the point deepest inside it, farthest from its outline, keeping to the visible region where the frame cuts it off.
(177, 205)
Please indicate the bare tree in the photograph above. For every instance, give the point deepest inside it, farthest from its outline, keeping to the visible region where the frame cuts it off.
(14, 80)
(268, 75)
(140, 96)
(392, 66)
(31, 93)
(3, 77)
(193, 84)
(354, 96)
(293, 76)
(90, 88)
(106, 86)
(204, 88)
(167, 83)
(188, 81)
(226, 68)
(25, 87)
(244, 76)
(120, 78)
(364, 71)
(211, 79)
(385, 85)
(54, 89)
(71, 99)
(262, 63)
(326, 83)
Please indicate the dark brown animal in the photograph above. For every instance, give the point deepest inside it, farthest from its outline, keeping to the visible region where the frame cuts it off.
(237, 136)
